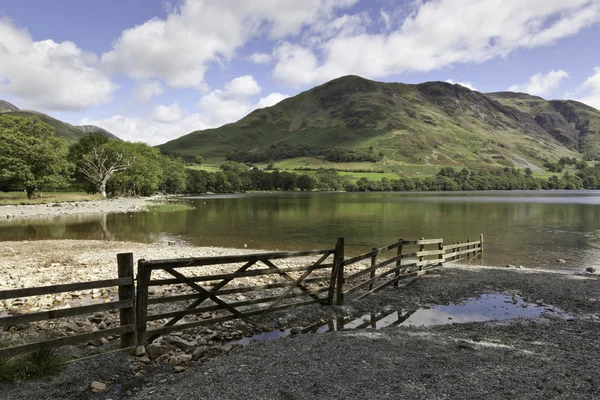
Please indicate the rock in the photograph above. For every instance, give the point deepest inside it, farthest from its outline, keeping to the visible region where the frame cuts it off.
(98, 387)
(155, 350)
(96, 342)
(561, 261)
(199, 351)
(591, 270)
(173, 361)
(140, 351)
(295, 331)
(510, 266)
(178, 369)
(144, 360)
(180, 343)
(72, 327)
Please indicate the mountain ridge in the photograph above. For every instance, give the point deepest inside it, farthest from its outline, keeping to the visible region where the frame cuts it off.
(428, 123)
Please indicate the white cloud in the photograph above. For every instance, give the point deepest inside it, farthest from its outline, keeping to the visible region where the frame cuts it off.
(271, 100)
(541, 84)
(261, 58)
(145, 128)
(148, 90)
(167, 114)
(430, 38)
(167, 122)
(198, 33)
(591, 90)
(50, 75)
(468, 85)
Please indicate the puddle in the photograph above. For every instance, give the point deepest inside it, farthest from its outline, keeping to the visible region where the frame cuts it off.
(487, 307)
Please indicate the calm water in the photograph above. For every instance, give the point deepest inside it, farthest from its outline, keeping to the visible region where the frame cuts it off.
(522, 228)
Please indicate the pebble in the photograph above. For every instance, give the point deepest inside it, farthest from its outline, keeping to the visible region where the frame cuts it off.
(97, 386)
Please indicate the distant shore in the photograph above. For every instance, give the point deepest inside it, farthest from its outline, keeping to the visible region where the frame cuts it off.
(116, 205)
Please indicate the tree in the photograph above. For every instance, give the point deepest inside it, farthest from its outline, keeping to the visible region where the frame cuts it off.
(31, 157)
(78, 150)
(306, 182)
(100, 165)
(199, 160)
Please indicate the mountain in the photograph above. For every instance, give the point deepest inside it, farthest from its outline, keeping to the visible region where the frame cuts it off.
(430, 123)
(96, 129)
(69, 132)
(572, 123)
(6, 106)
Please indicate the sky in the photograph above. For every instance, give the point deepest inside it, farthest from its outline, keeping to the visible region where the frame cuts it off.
(154, 70)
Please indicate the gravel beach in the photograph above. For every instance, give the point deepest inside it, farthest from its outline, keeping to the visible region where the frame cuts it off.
(552, 354)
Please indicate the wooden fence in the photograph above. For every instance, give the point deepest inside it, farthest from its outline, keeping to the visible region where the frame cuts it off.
(323, 282)
(218, 298)
(125, 305)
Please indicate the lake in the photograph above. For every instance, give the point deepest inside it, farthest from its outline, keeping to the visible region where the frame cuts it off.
(532, 229)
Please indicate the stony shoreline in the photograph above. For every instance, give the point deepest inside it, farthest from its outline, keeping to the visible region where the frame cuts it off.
(548, 356)
(113, 205)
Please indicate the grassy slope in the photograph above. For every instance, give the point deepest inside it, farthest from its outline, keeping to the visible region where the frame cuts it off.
(70, 133)
(434, 124)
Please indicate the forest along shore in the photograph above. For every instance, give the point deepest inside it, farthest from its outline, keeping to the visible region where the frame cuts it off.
(114, 205)
(548, 356)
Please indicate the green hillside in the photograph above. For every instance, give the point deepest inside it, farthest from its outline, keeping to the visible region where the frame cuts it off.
(433, 123)
(574, 124)
(69, 132)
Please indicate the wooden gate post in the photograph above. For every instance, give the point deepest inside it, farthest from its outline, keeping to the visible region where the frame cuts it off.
(141, 304)
(421, 258)
(399, 262)
(441, 250)
(373, 262)
(339, 267)
(126, 292)
(481, 244)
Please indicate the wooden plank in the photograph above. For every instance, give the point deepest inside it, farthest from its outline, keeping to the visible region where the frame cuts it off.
(62, 341)
(194, 296)
(382, 275)
(399, 262)
(196, 311)
(458, 245)
(234, 275)
(141, 304)
(374, 252)
(414, 274)
(208, 294)
(372, 268)
(288, 277)
(180, 327)
(202, 261)
(293, 286)
(66, 312)
(458, 253)
(373, 263)
(126, 293)
(202, 297)
(69, 287)
(422, 241)
(338, 258)
(339, 267)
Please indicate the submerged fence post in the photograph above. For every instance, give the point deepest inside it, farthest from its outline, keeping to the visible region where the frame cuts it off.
(126, 292)
(441, 250)
(399, 262)
(421, 258)
(143, 277)
(339, 267)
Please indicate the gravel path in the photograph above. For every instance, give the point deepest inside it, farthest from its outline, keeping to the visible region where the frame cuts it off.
(538, 358)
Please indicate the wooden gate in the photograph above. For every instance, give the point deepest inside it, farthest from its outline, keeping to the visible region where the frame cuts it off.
(220, 293)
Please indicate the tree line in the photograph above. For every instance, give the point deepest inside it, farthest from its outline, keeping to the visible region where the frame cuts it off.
(285, 151)
(33, 159)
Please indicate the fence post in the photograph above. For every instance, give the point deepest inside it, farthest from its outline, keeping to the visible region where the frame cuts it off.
(126, 292)
(441, 250)
(421, 258)
(468, 248)
(143, 278)
(399, 262)
(373, 262)
(481, 244)
(339, 266)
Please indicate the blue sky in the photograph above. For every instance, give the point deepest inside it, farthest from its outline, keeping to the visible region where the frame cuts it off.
(153, 70)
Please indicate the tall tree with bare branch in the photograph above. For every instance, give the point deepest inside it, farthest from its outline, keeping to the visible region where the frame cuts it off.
(99, 166)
